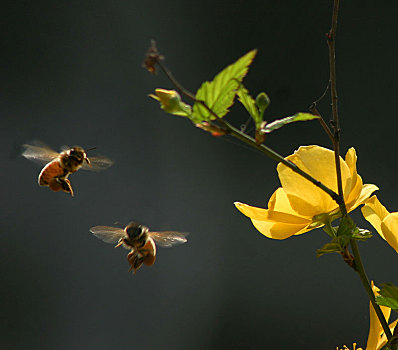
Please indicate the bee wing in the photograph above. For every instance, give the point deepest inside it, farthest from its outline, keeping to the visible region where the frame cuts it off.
(97, 163)
(39, 152)
(108, 234)
(64, 148)
(168, 239)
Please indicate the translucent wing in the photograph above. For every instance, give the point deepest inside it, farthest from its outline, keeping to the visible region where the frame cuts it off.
(168, 239)
(108, 234)
(97, 163)
(64, 148)
(39, 152)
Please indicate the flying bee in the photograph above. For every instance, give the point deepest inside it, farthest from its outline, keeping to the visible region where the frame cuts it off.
(60, 165)
(139, 240)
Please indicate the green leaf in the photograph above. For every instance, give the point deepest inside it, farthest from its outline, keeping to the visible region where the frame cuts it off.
(386, 301)
(219, 94)
(250, 104)
(298, 117)
(336, 245)
(333, 247)
(388, 296)
(361, 234)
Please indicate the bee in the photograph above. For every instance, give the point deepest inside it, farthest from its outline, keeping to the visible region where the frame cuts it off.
(60, 165)
(139, 240)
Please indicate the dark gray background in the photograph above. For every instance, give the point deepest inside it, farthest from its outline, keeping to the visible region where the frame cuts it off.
(71, 74)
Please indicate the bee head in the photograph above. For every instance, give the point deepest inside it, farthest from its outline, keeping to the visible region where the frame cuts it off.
(78, 155)
(134, 230)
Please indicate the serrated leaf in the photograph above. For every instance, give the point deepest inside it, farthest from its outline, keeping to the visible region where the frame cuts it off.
(219, 94)
(388, 296)
(250, 104)
(298, 117)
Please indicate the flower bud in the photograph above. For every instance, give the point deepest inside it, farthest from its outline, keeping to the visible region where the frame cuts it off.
(262, 101)
(170, 102)
(169, 99)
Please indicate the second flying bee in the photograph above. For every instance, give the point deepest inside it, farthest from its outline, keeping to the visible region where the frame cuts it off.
(139, 240)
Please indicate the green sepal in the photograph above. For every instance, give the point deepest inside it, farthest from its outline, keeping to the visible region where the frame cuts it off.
(388, 296)
(332, 247)
(219, 94)
(346, 227)
(337, 245)
(298, 117)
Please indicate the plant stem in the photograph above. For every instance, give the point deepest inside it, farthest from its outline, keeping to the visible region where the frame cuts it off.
(331, 38)
(365, 281)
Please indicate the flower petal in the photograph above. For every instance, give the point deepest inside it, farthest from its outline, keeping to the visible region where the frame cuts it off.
(366, 192)
(375, 213)
(272, 216)
(306, 198)
(389, 227)
(279, 230)
(375, 328)
(280, 202)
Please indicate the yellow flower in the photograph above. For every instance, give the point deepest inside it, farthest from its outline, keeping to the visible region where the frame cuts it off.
(384, 222)
(300, 206)
(376, 338)
(354, 347)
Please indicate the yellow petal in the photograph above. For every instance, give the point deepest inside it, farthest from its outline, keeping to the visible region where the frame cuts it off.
(279, 230)
(306, 198)
(366, 192)
(280, 202)
(261, 214)
(383, 339)
(354, 183)
(389, 227)
(375, 213)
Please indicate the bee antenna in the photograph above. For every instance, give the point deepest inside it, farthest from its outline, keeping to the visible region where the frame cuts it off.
(90, 149)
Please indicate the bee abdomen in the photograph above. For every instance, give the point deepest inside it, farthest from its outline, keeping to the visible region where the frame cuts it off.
(50, 171)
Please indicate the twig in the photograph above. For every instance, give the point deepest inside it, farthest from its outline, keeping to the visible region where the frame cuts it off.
(358, 266)
(331, 37)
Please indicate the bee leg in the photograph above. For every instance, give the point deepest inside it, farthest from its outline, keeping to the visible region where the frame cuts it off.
(55, 185)
(119, 243)
(135, 261)
(66, 186)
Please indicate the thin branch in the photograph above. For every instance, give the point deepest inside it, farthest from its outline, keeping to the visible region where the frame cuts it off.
(358, 267)
(331, 38)
(325, 127)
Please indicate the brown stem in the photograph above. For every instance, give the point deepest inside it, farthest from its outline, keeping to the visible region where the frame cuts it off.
(325, 127)
(331, 39)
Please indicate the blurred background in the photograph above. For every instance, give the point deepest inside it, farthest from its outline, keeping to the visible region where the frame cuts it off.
(71, 73)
